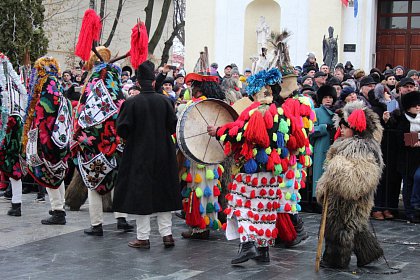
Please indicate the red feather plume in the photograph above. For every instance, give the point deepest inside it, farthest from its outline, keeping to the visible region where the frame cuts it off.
(89, 32)
(357, 120)
(139, 45)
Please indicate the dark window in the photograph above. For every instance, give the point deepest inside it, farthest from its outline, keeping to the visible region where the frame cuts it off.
(393, 23)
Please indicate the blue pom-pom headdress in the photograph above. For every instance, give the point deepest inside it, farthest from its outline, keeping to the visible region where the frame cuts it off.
(261, 79)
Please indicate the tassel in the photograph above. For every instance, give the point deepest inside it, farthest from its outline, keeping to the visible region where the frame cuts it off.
(209, 208)
(207, 191)
(198, 192)
(201, 209)
(89, 32)
(233, 131)
(284, 228)
(215, 225)
(273, 109)
(187, 163)
(217, 207)
(357, 120)
(209, 174)
(228, 148)
(224, 226)
(188, 179)
(280, 139)
(198, 179)
(256, 131)
(184, 176)
(216, 174)
(203, 224)
(268, 119)
(216, 191)
(139, 45)
(251, 166)
(270, 164)
(207, 220)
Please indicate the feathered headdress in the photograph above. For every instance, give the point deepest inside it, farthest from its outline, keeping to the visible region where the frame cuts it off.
(281, 58)
(261, 79)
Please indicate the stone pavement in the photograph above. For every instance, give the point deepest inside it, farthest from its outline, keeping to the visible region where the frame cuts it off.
(29, 250)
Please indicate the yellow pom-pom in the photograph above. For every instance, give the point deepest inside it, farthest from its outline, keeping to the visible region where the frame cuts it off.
(254, 152)
(288, 122)
(239, 137)
(282, 184)
(286, 137)
(275, 137)
(198, 192)
(288, 196)
(268, 150)
(305, 122)
(207, 220)
(184, 176)
(200, 166)
(223, 137)
(221, 168)
(293, 208)
(198, 179)
(280, 111)
(245, 126)
(209, 174)
(276, 118)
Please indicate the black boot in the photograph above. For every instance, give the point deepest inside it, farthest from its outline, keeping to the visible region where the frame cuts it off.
(15, 210)
(122, 224)
(300, 231)
(95, 230)
(57, 218)
(247, 251)
(263, 255)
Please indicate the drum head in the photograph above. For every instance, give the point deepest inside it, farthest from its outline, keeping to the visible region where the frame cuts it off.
(192, 135)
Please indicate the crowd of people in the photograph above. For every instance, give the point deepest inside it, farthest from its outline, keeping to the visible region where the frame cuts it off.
(117, 128)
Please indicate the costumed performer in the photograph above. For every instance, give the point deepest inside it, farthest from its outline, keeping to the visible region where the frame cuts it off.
(96, 134)
(148, 181)
(47, 134)
(353, 168)
(254, 196)
(201, 182)
(14, 99)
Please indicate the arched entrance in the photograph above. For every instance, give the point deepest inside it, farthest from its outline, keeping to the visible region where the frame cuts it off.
(271, 11)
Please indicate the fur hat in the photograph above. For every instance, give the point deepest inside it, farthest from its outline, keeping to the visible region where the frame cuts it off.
(359, 73)
(410, 99)
(363, 121)
(326, 90)
(146, 71)
(103, 52)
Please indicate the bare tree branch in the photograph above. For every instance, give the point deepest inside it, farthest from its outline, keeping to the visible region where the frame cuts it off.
(114, 26)
(169, 43)
(159, 29)
(101, 15)
(149, 14)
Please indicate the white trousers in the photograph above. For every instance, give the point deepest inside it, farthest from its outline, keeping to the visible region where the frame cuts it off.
(96, 212)
(164, 220)
(56, 197)
(16, 190)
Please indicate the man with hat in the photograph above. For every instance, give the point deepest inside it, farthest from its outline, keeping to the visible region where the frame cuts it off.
(366, 84)
(227, 70)
(406, 85)
(335, 83)
(320, 79)
(147, 182)
(180, 81)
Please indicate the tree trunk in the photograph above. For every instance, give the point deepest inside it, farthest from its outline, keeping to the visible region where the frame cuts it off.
(149, 15)
(92, 4)
(159, 29)
(101, 15)
(114, 26)
(170, 42)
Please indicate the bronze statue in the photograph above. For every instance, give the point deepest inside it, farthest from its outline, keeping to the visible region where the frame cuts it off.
(330, 49)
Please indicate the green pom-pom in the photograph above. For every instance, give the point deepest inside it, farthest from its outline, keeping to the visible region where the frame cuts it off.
(198, 192)
(216, 225)
(293, 208)
(288, 196)
(223, 137)
(283, 126)
(277, 169)
(239, 137)
(209, 174)
(268, 151)
(200, 166)
(280, 110)
(209, 208)
(184, 176)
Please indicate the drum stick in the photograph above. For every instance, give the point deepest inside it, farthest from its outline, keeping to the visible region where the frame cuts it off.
(321, 231)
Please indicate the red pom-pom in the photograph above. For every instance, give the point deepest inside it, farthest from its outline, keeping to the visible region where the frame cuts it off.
(243, 190)
(269, 205)
(273, 217)
(291, 144)
(357, 120)
(278, 191)
(255, 182)
(263, 192)
(271, 192)
(248, 179)
(239, 202)
(287, 207)
(250, 214)
(273, 109)
(216, 191)
(228, 148)
(252, 195)
(296, 185)
(279, 179)
(268, 233)
(248, 204)
(219, 171)
(189, 178)
(227, 211)
(275, 156)
(239, 178)
(261, 232)
(237, 213)
(251, 228)
(241, 229)
(302, 159)
(302, 184)
(203, 224)
(264, 181)
(224, 226)
(229, 187)
(284, 164)
(256, 217)
(233, 131)
(272, 180)
(270, 164)
(290, 174)
(260, 205)
(229, 197)
(234, 186)
(275, 233)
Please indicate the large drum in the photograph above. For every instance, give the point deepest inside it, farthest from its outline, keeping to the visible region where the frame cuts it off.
(191, 130)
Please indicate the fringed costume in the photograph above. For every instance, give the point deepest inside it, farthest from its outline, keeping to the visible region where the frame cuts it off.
(352, 171)
(14, 99)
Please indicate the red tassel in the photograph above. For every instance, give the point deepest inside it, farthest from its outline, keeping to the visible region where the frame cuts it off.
(273, 109)
(337, 133)
(256, 131)
(139, 45)
(233, 131)
(216, 191)
(268, 119)
(284, 228)
(189, 178)
(89, 32)
(357, 120)
(228, 148)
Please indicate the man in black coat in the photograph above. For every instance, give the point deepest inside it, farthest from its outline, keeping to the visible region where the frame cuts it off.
(148, 175)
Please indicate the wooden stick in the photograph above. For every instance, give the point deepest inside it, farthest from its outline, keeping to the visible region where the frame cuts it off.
(97, 53)
(321, 231)
(119, 58)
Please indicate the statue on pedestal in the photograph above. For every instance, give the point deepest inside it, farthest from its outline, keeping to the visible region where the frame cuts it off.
(330, 49)
(263, 34)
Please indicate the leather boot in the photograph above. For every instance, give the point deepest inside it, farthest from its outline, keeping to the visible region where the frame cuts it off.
(300, 230)
(247, 251)
(15, 210)
(57, 218)
(263, 255)
(95, 230)
(204, 235)
(122, 224)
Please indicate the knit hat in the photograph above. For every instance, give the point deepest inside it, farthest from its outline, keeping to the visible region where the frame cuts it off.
(311, 55)
(410, 99)
(310, 68)
(406, 81)
(412, 73)
(234, 71)
(346, 92)
(398, 66)
(305, 77)
(168, 80)
(324, 91)
(247, 70)
(146, 71)
(214, 65)
(368, 80)
(334, 81)
(320, 74)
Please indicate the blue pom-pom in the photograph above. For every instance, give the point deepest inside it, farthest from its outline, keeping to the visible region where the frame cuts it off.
(250, 166)
(216, 174)
(261, 156)
(207, 191)
(187, 163)
(184, 192)
(211, 223)
(293, 198)
(298, 208)
(289, 183)
(201, 209)
(299, 166)
(216, 207)
(280, 139)
(284, 152)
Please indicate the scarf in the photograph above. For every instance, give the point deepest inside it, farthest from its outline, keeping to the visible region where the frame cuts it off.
(414, 122)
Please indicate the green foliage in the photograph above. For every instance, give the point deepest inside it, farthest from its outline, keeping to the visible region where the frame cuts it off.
(21, 29)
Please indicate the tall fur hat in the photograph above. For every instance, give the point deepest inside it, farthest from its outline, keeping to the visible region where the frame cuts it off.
(326, 90)
(364, 122)
(411, 99)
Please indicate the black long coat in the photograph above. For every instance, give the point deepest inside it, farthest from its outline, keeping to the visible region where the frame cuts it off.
(148, 174)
